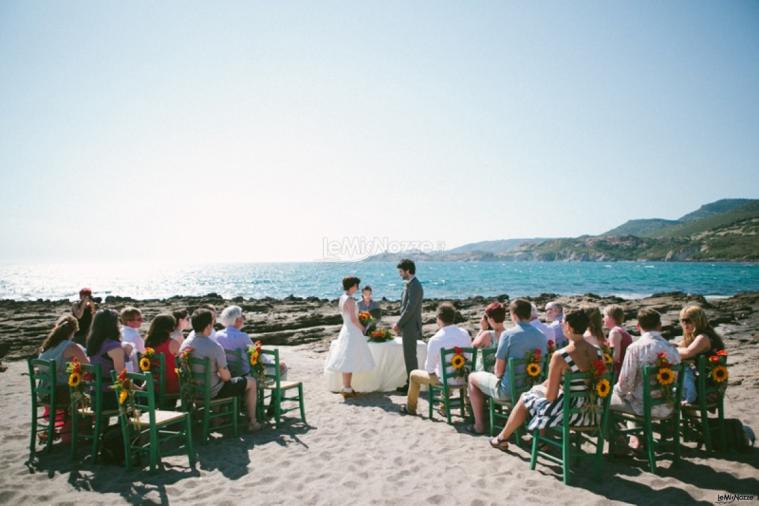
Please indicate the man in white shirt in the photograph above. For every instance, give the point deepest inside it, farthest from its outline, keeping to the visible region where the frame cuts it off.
(131, 320)
(555, 315)
(545, 329)
(449, 336)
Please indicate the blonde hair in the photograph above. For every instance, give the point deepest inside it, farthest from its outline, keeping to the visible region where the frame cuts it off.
(616, 312)
(697, 316)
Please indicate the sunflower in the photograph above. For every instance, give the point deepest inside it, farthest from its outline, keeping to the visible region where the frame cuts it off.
(253, 358)
(533, 370)
(719, 373)
(665, 376)
(144, 364)
(149, 351)
(123, 396)
(74, 379)
(458, 361)
(608, 359)
(603, 388)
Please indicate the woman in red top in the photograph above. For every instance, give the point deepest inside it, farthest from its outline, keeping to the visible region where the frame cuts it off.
(159, 338)
(619, 338)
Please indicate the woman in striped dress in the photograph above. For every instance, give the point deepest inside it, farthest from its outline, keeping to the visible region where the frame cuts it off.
(544, 404)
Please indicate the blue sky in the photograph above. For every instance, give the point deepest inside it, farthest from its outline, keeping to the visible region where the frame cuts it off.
(247, 131)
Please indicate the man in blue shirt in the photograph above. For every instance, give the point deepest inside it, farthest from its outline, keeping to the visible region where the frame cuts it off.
(514, 343)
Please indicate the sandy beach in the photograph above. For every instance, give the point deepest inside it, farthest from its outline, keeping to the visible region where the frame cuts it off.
(362, 451)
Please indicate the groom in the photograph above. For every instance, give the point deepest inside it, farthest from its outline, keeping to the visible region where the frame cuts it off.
(410, 323)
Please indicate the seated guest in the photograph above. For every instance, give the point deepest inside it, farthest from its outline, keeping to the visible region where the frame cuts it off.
(159, 338)
(595, 333)
(131, 320)
(628, 392)
(83, 310)
(449, 336)
(232, 338)
(104, 347)
(182, 317)
(222, 383)
(619, 338)
(699, 338)
(491, 326)
(535, 322)
(367, 304)
(514, 343)
(544, 403)
(212, 309)
(555, 315)
(60, 347)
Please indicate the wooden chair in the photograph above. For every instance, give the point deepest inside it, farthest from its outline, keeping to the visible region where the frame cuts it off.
(143, 435)
(276, 390)
(519, 382)
(42, 378)
(92, 381)
(202, 404)
(647, 424)
(164, 399)
(441, 393)
(711, 397)
(568, 438)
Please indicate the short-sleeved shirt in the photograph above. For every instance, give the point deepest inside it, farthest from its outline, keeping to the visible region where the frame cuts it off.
(560, 338)
(515, 343)
(133, 337)
(232, 338)
(105, 361)
(203, 347)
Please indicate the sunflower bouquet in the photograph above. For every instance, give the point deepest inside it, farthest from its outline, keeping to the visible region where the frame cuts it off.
(599, 387)
(665, 376)
(124, 389)
(719, 372)
(458, 363)
(608, 355)
(146, 362)
(184, 373)
(380, 335)
(257, 366)
(77, 380)
(534, 366)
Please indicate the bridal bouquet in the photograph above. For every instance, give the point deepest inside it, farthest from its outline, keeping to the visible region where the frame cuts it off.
(380, 335)
(367, 320)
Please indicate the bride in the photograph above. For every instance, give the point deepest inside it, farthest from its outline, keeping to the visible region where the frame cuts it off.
(352, 351)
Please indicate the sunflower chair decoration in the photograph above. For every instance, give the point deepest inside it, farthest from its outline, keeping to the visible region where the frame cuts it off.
(608, 355)
(146, 362)
(534, 366)
(124, 389)
(184, 373)
(79, 398)
(719, 373)
(665, 376)
(257, 366)
(599, 387)
(458, 361)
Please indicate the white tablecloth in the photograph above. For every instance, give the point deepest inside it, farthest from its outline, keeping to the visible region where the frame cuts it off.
(389, 372)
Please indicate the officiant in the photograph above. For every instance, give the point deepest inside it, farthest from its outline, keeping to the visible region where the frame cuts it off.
(368, 304)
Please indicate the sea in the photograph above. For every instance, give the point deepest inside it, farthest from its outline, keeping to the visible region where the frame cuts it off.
(453, 280)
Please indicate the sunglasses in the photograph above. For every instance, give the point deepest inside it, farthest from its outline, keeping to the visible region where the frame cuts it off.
(685, 321)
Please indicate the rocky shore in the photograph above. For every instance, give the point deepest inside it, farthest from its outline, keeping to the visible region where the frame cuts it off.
(314, 322)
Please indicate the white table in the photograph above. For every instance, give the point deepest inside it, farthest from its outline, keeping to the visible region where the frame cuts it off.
(389, 372)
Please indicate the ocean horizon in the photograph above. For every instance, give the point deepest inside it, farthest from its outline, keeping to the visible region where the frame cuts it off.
(455, 280)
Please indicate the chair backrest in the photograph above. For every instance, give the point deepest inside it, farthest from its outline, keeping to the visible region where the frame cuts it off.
(92, 385)
(271, 369)
(655, 394)
(450, 375)
(486, 357)
(144, 399)
(235, 360)
(158, 369)
(200, 370)
(519, 380)
(709, 390)
(42, 377)
(584, 402)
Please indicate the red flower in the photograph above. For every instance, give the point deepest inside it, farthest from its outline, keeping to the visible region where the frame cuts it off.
(538, 352)
(662, 354)
(122, 375)
(599, 366)
(88, 377)
(458, 351)
(722, 353)
(714, 359)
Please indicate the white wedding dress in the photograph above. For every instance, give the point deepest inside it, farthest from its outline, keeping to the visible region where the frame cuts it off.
(351, 353)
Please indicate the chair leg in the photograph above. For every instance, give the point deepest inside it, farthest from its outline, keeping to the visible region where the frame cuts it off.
(598, 459)
(491, 417)
(74, 432)
(705, 430)
(235, 417)
(96, 438)
(431, 398)
(649, 433)
(447, 404)
(534, 455)
(206, 423)
(722, 436)
(276, 398)
(33, 440)
(50, 429)
(566, 454)
(676, 438)
(188, 440)
(301, 403)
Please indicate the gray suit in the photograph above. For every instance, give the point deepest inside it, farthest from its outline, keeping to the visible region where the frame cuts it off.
(410, 321)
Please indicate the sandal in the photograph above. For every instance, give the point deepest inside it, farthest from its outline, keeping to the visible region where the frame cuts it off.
(472, 430)
(499, 444)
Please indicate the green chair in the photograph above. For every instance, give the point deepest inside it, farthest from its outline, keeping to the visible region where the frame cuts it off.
(202, 405)
(441, 393)
(569, 439)
(42, 377)
(235, 361)
(711, 397)
(276, 390)
(143, 435)
(158, 365)
(667, 428)
(518, 384)
(92, 383)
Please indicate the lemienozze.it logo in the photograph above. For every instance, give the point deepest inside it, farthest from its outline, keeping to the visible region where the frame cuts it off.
(731, 498)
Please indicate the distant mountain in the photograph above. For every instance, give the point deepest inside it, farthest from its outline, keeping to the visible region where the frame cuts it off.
(724, 230)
